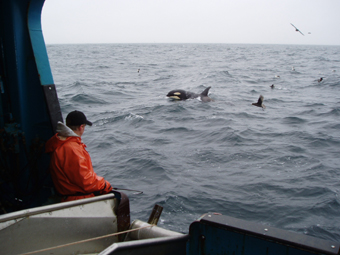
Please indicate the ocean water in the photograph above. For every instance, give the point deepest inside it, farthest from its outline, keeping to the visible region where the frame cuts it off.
(278, 166)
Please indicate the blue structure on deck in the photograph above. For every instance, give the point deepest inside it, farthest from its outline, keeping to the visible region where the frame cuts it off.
(220, 234)
(29, 107)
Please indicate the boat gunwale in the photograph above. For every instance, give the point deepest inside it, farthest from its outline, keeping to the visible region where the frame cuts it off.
(49, 208)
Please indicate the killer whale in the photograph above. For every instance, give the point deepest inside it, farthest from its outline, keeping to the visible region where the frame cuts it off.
(180, 94)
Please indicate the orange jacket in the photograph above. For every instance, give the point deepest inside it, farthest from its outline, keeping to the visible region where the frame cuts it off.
(71, 169)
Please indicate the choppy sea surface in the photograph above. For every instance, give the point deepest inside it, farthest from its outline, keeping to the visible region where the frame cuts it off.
(278, 166)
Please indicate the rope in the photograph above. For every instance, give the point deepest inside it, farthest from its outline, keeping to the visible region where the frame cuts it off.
(86, 240)
(137, 192)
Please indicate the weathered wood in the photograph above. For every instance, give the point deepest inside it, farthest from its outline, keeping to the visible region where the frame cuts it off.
(155, 214)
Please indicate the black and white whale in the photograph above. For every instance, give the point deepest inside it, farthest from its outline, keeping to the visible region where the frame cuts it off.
(179, 94)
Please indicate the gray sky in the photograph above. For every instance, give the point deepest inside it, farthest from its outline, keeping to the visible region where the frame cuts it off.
(192, 21)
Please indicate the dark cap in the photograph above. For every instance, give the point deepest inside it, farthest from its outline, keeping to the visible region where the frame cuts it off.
(77, 118)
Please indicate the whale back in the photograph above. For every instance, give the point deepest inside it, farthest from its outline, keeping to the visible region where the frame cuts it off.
(205, 92)
(204, 95)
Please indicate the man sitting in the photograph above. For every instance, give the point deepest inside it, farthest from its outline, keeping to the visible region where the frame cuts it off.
(71, 166)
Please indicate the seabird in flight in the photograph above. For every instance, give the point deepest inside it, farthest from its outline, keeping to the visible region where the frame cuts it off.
(296, 29)
(260, 102)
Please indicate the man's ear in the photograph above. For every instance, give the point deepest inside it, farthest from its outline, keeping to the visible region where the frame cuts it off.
(79, 128)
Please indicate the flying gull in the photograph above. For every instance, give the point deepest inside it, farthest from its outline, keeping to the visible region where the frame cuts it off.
(296, 29)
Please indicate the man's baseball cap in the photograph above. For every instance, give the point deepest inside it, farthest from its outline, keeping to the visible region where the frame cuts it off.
(77, 118)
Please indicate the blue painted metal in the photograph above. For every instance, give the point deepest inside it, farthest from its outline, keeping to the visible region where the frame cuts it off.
(218, 234)
(38, 43)
(29, 108)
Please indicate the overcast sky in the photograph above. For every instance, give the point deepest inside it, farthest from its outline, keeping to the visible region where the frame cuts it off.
(192, 21)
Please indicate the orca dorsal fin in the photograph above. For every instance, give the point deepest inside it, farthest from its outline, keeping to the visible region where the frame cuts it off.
(205, 92)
